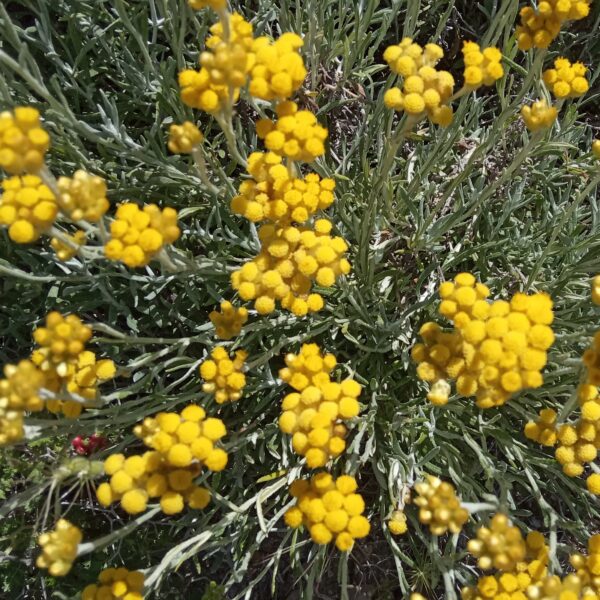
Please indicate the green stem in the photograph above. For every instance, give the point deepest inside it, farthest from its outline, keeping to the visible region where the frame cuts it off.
(227, 128)
(200, 162)
(391, 148)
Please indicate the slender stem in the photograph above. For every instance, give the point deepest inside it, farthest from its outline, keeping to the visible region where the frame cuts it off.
(465, 89)
(514, 165)
(200, 162)
(227, 127)
(48, 178)
(391, 149)
(166, 262)
(224, 18)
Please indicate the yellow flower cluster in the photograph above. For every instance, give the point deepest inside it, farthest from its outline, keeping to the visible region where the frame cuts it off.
(83, 196)
(19, 392)
(553, 587)
(228, 58)
(496, 349)
(313, 414)
(197, 91)
(184, 138)
(539, 27)
(61, 341)
(224, 377)
(587, 569)
(482, 67)
(295, 134)
(274, 194)
(596, 280)
(578, 444)
(330, 510)
(425, 90)
(566, 80)
(278, 69)
(27, 207)
(591, 360)
(63, 250)
(407, 57)
(229, 321)
(292, 258)
(186, 438)
(439, 506)
(224, 67)
(539, 115)
(138, 235)
(397, 523)
(66, 364)
(59, 548)
(114, 584)
(275, 68)
(499, 546)
(136, 479)
(23, 141)
(82, 379)
(519, 582)
(543, 431)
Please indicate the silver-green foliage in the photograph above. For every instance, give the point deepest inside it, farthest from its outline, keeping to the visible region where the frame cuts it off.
(472, 197)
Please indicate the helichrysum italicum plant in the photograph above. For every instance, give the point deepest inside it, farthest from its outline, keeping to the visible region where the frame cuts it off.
(266, 225)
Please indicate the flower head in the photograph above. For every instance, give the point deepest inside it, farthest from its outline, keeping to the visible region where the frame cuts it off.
(229, 321)
(83, 196)
(315, 414)
(291, 258)
(274, 194)
(278, 69)
(114, 584)
(425, 90)
(136, 479)
(566, 80)
(138, 235)
(228, 61)
(495, 349)
(23, 141)
(19, 392)
(540, 26)
(224, 377)
(59, 548)
(482, 67)
(330, 509)
(184, 138)
(27, 207)
(397, 523)
(66, 251)
(295, 134)
(439, 506)
(499, 546)
(187, 438)
(539, 115)
(543, 430)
